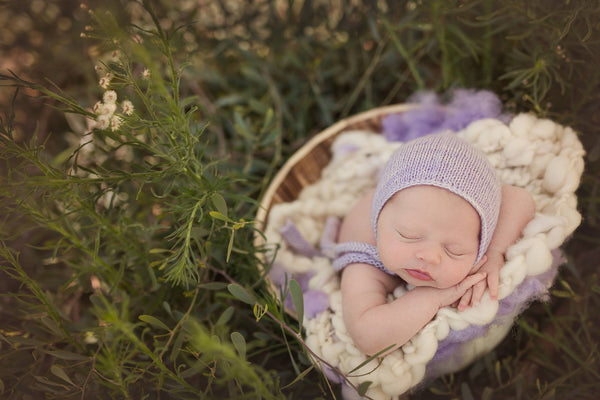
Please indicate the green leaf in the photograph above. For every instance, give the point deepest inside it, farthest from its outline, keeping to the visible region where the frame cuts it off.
(219, 216)
(226, 316)
(59, 372)
(52, 325)
(268, 121)
(240, 293)
(177, 345)
(298, 300)
(374, 356)
(299, 377)
(230, 245)
(242, 127)
(149, 319)
(240, 343)
(498, 372)
(363, 387)
(66, 355)
(220, 204)
(213, 285)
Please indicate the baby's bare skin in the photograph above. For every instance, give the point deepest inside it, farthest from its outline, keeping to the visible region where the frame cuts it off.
(429, 237)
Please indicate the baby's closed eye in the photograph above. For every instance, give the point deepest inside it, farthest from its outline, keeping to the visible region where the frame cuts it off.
(457, 251)
(407, 235)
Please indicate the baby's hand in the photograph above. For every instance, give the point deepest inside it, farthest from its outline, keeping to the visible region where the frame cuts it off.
(451, 295)
(492, 266)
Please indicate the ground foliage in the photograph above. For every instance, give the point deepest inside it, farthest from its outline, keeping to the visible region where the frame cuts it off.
(129, 269)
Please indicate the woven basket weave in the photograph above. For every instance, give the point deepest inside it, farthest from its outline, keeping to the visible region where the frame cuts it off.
(304, 167)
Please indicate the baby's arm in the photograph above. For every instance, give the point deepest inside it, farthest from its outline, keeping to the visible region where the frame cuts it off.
(373, 323)
(516, 210)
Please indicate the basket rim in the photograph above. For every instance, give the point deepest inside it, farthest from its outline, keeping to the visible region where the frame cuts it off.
(338, 127)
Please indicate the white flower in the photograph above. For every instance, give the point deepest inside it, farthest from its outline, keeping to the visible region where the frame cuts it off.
(108, 109)
(90, 338)
(103, 121)
(115, 123)
(127, 107)
(110, 97)
(104, 82)
(146, 74)
(98, 107)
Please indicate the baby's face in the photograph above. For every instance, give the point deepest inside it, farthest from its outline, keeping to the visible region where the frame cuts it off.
(428, 236)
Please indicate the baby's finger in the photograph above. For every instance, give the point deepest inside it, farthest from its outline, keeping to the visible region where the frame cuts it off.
(465, 299)
(473, 279)
(492, 282)
(478, 290)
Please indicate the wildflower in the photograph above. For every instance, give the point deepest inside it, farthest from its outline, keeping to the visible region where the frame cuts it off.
(98, 107)
(90, 337)
(115, 123)
(127, 107)
(108, 109)
(103, 121)
(137, 39)
(110, 97)
(104, 82)
(146, 74)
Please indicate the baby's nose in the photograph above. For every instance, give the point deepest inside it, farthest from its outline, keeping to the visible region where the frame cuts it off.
(429, 253)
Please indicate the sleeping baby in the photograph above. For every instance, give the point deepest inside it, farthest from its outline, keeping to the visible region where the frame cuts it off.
(440, 221)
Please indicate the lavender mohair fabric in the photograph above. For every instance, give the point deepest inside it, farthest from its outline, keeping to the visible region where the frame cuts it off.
(431, 115)
(296, 241)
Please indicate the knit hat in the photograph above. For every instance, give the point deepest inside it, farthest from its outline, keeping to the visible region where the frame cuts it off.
(446, 161)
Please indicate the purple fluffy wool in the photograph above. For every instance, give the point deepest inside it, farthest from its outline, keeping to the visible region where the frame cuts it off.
(416, 122)
(330, 232)
(466, 106)
(296, 241)
(469, 105)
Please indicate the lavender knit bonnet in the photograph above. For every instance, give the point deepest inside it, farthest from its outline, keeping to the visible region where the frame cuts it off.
(446, 161)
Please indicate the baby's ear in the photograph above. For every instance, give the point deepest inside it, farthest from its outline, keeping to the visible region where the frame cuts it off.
(479, 264)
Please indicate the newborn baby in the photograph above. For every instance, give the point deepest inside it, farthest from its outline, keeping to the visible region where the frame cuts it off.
(439, 220)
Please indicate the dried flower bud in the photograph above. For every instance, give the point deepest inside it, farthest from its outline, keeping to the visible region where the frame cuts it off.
(127, 107)
(103, 121)
(110, 97)
(104, 82)
(115, 123)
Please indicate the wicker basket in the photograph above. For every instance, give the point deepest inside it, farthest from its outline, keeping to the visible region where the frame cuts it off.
(440, 347)
(304, 167)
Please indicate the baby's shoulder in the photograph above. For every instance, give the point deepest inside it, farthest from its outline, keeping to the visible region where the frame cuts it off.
(356, 226)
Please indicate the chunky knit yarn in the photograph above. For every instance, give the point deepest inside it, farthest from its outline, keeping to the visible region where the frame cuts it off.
(449, 162)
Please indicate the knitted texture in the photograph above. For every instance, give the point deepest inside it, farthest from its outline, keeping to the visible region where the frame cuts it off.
(533, 153)
(356, 252)
(446, 161)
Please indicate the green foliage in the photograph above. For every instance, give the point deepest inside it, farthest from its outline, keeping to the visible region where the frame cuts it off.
(129, 269)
